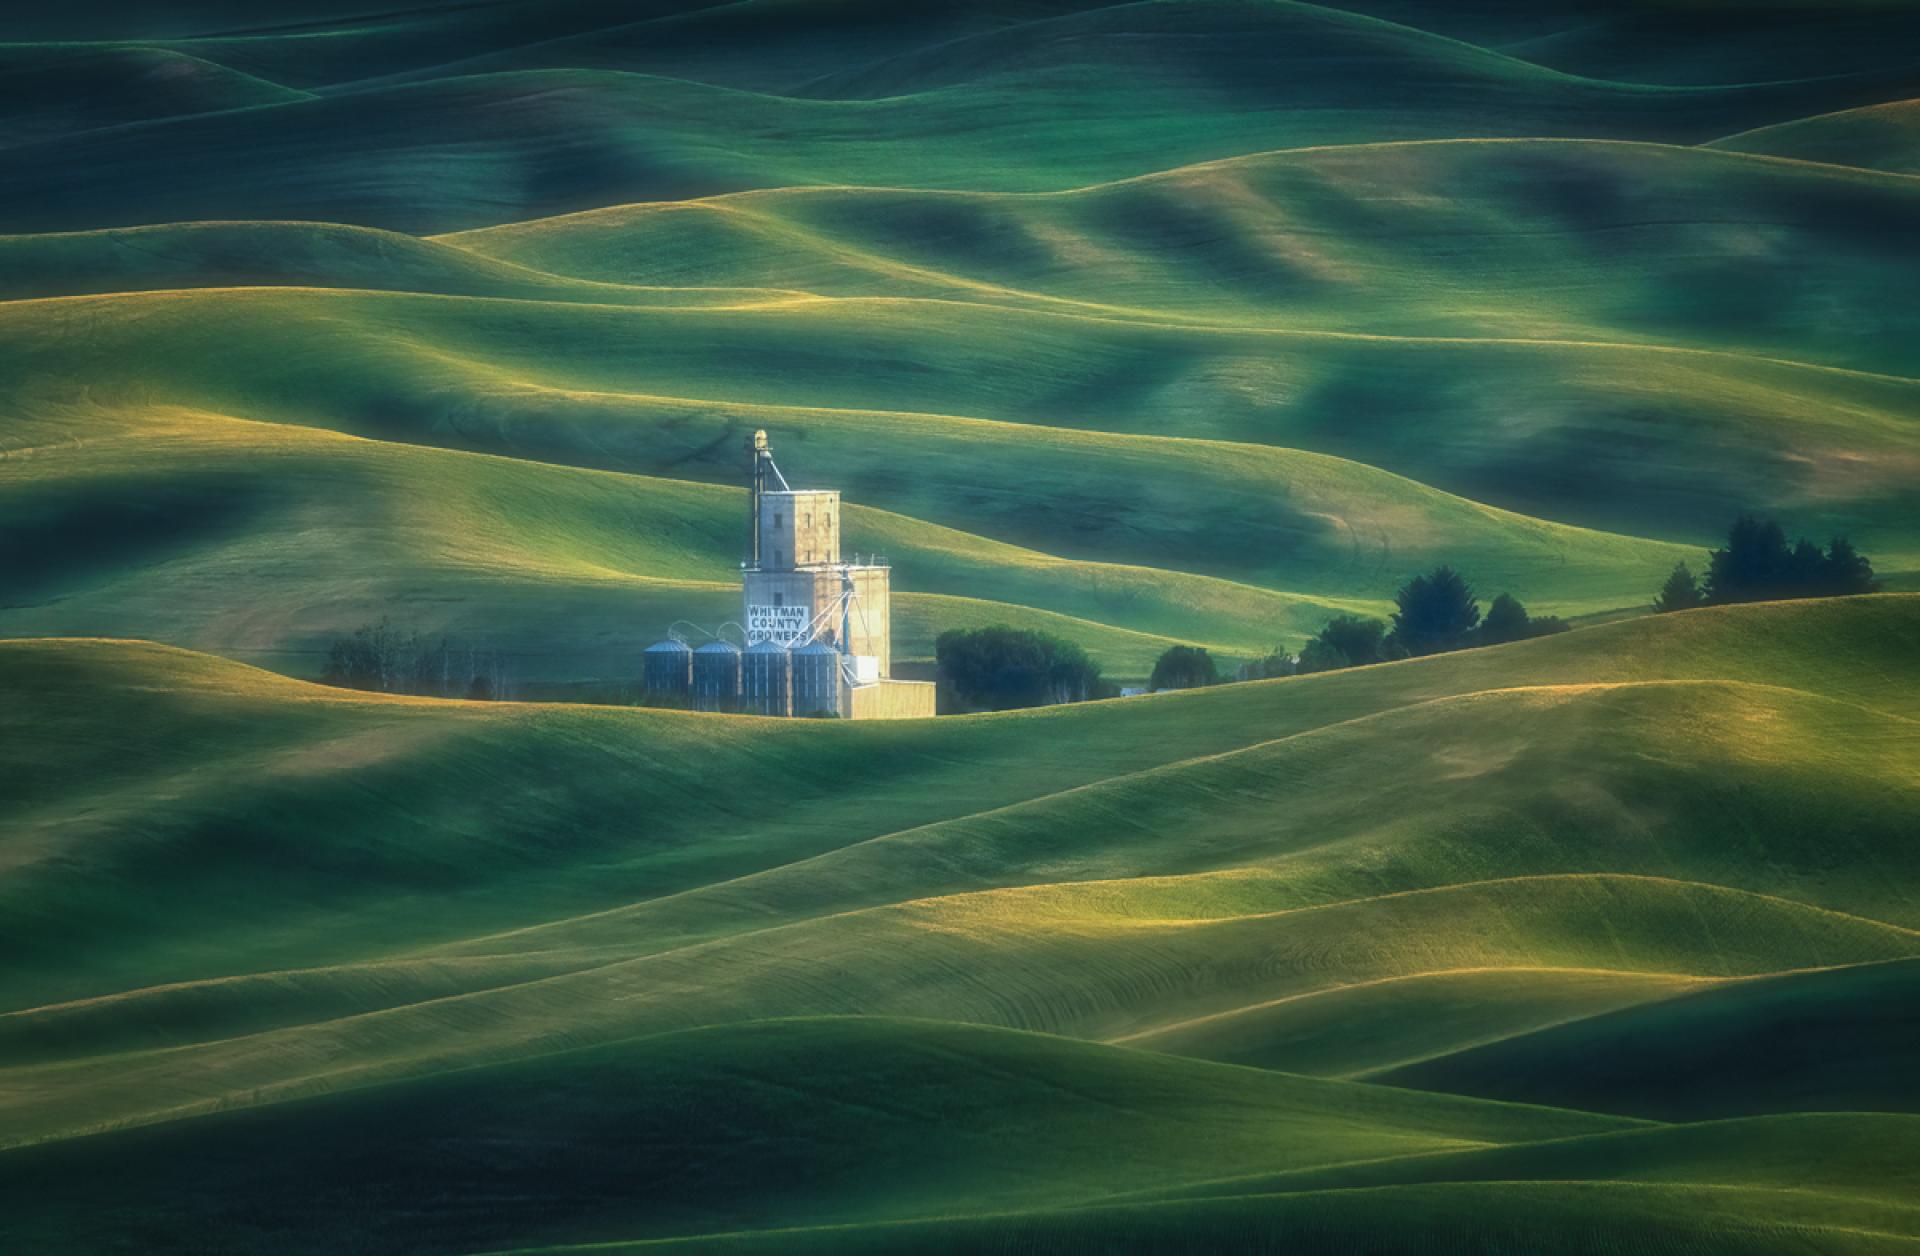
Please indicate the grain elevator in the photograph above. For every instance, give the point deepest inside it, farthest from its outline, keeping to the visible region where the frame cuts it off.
(816, 629)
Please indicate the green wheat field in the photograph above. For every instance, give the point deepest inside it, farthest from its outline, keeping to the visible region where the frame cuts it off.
(1139, 324)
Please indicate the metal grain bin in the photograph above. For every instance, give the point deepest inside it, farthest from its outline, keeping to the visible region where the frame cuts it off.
(816, 680)
(766, 679)
(666, 669)
(716, 677)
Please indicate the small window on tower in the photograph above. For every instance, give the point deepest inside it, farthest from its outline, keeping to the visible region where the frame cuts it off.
(779, 599)
(779, 560)
(776, 518)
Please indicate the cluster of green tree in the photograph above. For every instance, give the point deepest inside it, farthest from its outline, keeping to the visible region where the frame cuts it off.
(1001, 668)
(382, 659)
(1757, 565)
(1434, 613)
(994, 669)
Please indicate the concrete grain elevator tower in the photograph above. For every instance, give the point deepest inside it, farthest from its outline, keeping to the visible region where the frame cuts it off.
(797, 592)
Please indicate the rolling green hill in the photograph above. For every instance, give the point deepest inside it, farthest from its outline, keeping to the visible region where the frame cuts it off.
(1644, 439)
(1267, 51)
(780, 45)
(1028, 755)
(1587, 1218)
(758, 45)
(320, 43)
(299, 254)
(1853, 1023)
(1649, 41)
(48, 95)
(1116, 888)
(1223, 78)
(1875, 137)
(623, 388)
(1539, 239)
(1143, 324)
(1662, 317)
(999, 1120)
(1848, 1155)
(283, 535)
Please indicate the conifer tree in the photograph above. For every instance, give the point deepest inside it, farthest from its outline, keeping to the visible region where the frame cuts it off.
(1681, 592)
(1436, 612)
(1507, 620)
(1806, 574)
(1846, 571)
(1752, 567)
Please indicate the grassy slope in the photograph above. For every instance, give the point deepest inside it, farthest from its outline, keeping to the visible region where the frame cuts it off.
(1572, 240)
(1092, 967)
(1836, 1041)
(774, 44)
(1677, 43)
(1844, 1154)
(263, 540)
(665, 389)
(782, 45)
(1234, 912)
(58, 20)
(1875, 137)
(47, 94)
(595, 1144)
(832, 1120)
(1591, 870)
(500, 147)
(1609, 881)
(1511, 1219)
(1352, 61)
(1377, 1027)
(563, 379)
(1084, 744)
(320, 43)
(1456, 818)
(760, 45)
(1320, 526)
(298, 254)
(666, 393)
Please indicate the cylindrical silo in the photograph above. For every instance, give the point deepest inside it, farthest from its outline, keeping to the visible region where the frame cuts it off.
(666, 670)
(816, 679)
(716, 677)
(766, 679)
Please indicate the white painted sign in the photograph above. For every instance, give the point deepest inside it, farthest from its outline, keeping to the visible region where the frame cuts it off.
(785, 624)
